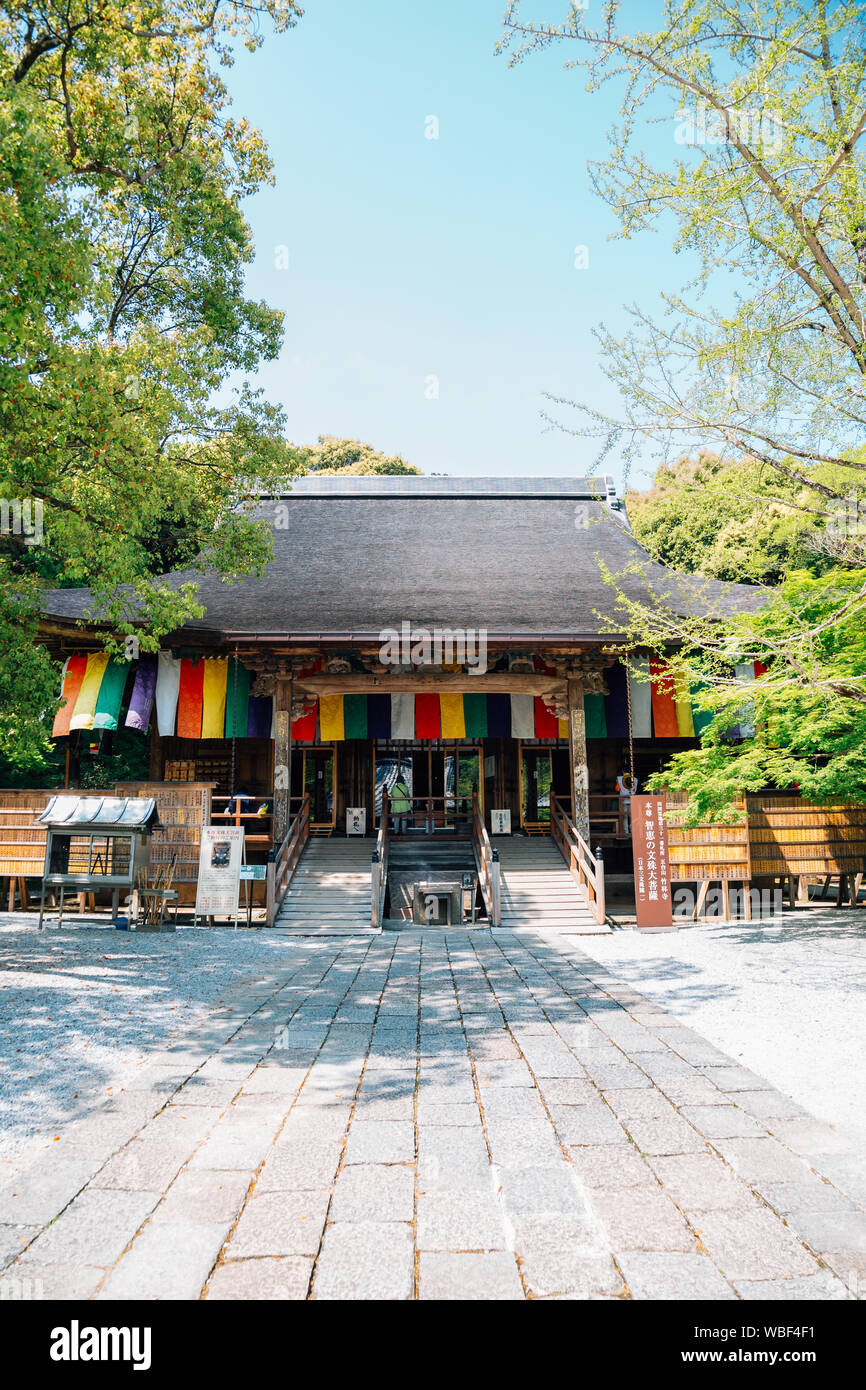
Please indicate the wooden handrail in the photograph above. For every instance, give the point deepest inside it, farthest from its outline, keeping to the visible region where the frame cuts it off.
(446, 806)
(584, 866)
(379, 871)
(487, 862)
(283, 860)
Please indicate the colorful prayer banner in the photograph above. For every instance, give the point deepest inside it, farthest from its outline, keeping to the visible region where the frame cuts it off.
(451, 715)
(110, 697)
(403, 716)
(701, 718)
(355, 716)
(427, 724)
(190, 698)
(213, 711)
(616, 702)
(475, 715)
(88, 694)
(378, 716)
(641, 697)
(141, 701)
(331, 725)
(259, 714)
(304, 728)
(73, 675)
(237, 700)
(545, 720)
(596, 723)
(664, 708)
(498, 716)
(167, 693)
(683, 707)
(745, 673)
(522, 716)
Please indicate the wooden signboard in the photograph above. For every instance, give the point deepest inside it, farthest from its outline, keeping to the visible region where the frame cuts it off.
(652, 873)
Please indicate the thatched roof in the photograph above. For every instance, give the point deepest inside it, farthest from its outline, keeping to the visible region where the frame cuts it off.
(517, 556)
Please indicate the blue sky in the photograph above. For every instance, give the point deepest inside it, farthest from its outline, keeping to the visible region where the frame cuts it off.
(412, 258)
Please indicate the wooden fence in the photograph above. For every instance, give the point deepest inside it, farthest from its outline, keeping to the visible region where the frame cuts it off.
(780, 836)
(788, 835)
(183, 809)
(712, 852)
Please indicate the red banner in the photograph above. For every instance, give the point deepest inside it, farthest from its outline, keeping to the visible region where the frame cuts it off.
(427, 723)
(652, 872)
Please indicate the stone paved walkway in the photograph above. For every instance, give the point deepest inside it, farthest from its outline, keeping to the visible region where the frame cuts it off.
(440, 1116)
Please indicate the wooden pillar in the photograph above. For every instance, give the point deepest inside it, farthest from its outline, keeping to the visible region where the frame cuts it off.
(577, 755)
(282, 757)
(156, 762)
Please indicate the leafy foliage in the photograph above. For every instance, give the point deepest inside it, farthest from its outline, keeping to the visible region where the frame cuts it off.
(764, 186)
(737, 520)
(350, 456)
(122, 254)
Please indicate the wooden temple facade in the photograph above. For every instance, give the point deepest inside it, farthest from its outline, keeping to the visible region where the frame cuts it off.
(453, 634)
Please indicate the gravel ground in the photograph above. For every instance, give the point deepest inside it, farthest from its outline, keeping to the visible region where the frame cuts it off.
(81, 1009)
(787, 1001)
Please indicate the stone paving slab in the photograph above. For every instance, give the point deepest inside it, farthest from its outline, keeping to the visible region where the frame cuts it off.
(440, 1115)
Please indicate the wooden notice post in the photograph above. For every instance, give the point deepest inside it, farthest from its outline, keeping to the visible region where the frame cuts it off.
(652, 871)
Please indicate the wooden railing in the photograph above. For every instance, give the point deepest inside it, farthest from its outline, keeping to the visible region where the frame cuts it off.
(487, 860)
(283, 860)
(587, 868)
(430, 814)
(234, 810)
(379, 872)
(607, 815)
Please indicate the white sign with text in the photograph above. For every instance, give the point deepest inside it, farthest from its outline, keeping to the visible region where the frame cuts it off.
(219, 870)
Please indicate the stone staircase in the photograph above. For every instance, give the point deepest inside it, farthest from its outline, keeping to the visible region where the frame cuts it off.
(424, 858)
(537, 891)
(330, 892)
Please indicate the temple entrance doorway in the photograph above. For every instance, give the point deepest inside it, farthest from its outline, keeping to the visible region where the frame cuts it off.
(441, 781)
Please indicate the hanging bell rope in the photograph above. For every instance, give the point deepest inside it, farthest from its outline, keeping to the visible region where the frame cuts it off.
(630, 733)
(233, 788)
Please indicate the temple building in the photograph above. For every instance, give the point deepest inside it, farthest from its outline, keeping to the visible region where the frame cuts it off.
(455, 637)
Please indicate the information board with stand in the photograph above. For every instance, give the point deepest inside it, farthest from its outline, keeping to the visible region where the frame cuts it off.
(221, 857)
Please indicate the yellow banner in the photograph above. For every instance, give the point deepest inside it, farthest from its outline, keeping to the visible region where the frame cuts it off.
(452, 717)
(85, 705)
(213, 714)
(683, 705)
(331, 718)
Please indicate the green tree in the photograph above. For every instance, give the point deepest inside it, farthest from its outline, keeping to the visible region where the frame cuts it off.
(122, 256)
(766, 106)
(802, 723)
(735, 520)
(761, 358)
(333, 455)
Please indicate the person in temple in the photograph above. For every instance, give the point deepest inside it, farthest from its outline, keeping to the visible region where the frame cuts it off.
(626, 786)
(400, 806)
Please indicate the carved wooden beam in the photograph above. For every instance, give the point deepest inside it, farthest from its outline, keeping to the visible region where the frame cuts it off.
(451, 682)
